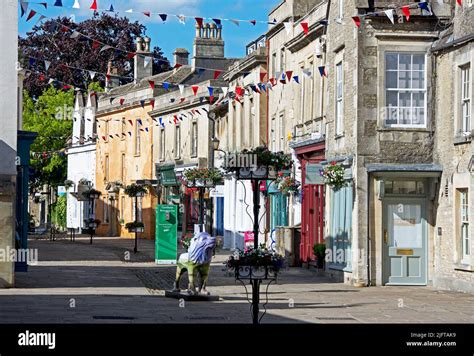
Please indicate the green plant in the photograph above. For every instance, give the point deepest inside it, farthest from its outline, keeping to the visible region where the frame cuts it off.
(333, 175)
(68, 184)
(91, 192)
(319, 251)
(260, 257)
(213, 174)
(134, 189)
(186, 241)
(59, 212)
(134, 225)
(266, 158)
(287, 185)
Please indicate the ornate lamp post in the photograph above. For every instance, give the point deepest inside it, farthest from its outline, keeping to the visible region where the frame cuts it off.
(92, 223)
(135, 191)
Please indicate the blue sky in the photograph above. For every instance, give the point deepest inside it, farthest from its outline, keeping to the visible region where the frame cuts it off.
(174, 34)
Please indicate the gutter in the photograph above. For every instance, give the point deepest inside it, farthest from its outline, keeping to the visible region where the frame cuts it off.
(457, 42)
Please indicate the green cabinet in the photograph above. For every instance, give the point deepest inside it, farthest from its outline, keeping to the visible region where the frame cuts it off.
(166, 234)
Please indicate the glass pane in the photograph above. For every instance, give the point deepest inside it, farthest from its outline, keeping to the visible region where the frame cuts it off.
(405, 99)
(404, 79)
(405, 62)
(404, 187)
(388, 187)
(391, 61)
(405, 225)
(392, 116)
(418, 116)
(417, 80)
(391, 78)
(418, 62)
(419, 99)
(420, 188)
(392, 98)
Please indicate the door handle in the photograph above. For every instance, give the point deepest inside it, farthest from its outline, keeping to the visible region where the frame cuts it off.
(385, 236)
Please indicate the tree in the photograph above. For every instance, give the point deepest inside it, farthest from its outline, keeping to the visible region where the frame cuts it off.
(51, 41)
(51, 117)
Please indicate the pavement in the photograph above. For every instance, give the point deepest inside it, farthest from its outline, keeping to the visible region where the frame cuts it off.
(75, 282)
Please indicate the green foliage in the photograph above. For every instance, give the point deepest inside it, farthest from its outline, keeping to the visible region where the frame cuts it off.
(334, 175)
(59, 212)
(319, 250)
(51, 117)
(133, 189)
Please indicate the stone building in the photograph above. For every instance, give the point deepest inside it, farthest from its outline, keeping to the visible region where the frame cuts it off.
(8, 136)
(453, 57)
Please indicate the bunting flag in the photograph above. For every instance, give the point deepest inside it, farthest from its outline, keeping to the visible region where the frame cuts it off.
(105, 48)
(140, 122)
(131, 55)
(305, 27)
(239, 91)
(218, 22)
(163, 17)
(23, 8)
(225, 90)
(424, 6)
(130, 133)
(181, 19)
(175, 119)
(76, 5)
(92, 74)
(147, 13)
(199, 21)
(111, 8)
(75, 34)
(152, 84)
(58, 3)
(322, 71)
(177, 65)
(146, 61)
(31, 15)
(200, 71)
(262, 76)
(236, 22)
(211, 91)
(31, 61)
(459, 2)
(181, 89)
(129, 11)
(182, 100)
(166, 85)
(94, 5)
(161, 122)
(95, 44)
(195, 89)
(111, 100)
(131, 122)
(296, 79)
(46, 65)
(288, 27)
(389, 14)
(122, 100)
(142, 104)
(217, 73)
(406, 12)
(289, 74)
(356, 20)
(253, 22)
(152, 102)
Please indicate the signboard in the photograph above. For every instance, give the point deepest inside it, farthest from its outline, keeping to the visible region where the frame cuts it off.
(313, 174)
(217, 192)
(166, 234)
(61, 190)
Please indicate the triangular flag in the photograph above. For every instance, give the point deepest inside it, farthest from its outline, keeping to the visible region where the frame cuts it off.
(356, 20)
(152, 103)
(389, 14)
(217, 73)
(225, 90)
(130, 133)
(211, 91)
(199, 21)
(181, 19)
(76, 5)
(239, 91)
(322, 71)
(146, 61)
(152, 84)
(131, 122)
(305, 27)
(166, 85)
(253, 22)
(181, 89)
(111, 8)
(104, 138)
(142, 103)
(23, 7)
(459, 2)
(262, 76)
(288, 27)
(58, 3)
(75, 34)
(129, 11)
(46, 65)
(147, 13)
(297, 79)
(218, 22)
(106, 47)
(92, 74)
(200, 71)
(94, 5)
(163, 17)
(424, 6)
(236, 22)
(161, 122)
(175, 119)
(130, 55)
(140, 122)
(177, 65)
(107, 77)
(289, 74)
(111, 100)
(31, 15)
(406, 12)
(195, 89)
(95, 44)
(122, 100)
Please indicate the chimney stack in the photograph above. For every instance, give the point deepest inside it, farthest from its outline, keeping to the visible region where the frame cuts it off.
(181, 56)
(208, 45)
(141, 71)
(114, 80)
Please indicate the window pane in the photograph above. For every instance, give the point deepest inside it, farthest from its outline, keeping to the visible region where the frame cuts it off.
(405, 62)
(417, 81)
(405, 116)
(405, 99)
(418, 62)
(419, 100)
(392, 98)
(392, 61)
(391, 78)
(404, 79)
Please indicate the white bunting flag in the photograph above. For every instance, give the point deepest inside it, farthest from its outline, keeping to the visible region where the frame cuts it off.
(46, 65)
(288, 27)
(277, 75)
(225, 90)
(91, 74)
(76, 5)
(75, 34)
(181, 89)
(182, 19)
(389, 14)
(146, 62)
(50, 81)
(236, 22)
(106, 47)
(129, 11)
(307, 73)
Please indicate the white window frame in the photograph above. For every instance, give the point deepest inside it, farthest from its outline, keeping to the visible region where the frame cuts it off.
(466, 78)
(137, 139)
(465, 238)
(399, 90)
(177, 142)
(340, 9)
(194, 138)
(339, 104)
(162, 142)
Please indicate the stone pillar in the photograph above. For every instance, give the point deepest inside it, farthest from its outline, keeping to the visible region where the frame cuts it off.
(198, 31)
(206, 31)
(212, 29)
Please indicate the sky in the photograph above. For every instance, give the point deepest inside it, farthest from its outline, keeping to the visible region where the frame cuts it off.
(172, 34)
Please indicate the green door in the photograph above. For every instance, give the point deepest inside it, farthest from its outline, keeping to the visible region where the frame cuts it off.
(404, 242)
(166, 234)
(279, 216)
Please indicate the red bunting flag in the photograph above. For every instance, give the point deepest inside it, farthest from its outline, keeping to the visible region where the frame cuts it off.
(147, 13)
(305, 27)
(273, 81)
(177, 65)
(131, 122)
(253, 22)
(152, 102)
(42, 77)
(406, 12)
(239, 91)
(175, 119)
(152, 84)
(95, 44)
(459, 2)
(356, 20)
(195, 89)
(199, 21)
(262, 76)
(122, 100)
(107, 77)
(94, 5)
(64, 29)
(211, 99)
(32, 14)
(217, 73)
(289, 74)
(104, 138)
(131, 55)
(182, 100)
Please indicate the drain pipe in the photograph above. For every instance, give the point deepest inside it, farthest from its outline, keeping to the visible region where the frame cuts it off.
(368, 231)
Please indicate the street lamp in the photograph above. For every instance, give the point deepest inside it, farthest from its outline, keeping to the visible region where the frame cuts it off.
(92, 223)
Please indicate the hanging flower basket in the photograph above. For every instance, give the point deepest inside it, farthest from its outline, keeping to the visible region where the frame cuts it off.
(92, 194)
(92, 223)
(253, 263)
(287, 185)
(333, 175)
(203, 177)
(135, 190)
(135, 226)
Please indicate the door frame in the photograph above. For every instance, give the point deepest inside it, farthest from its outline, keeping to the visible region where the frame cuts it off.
(424, 211)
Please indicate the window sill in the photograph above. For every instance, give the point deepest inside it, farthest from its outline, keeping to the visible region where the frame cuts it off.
(462, 140)
(338, 136)
(405, 129)
(137, 155)
(463, 267)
